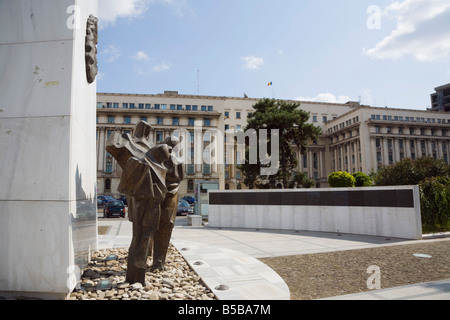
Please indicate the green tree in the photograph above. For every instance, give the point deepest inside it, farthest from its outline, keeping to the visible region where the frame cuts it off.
(341, 180)
(294, 132)
(411, 172)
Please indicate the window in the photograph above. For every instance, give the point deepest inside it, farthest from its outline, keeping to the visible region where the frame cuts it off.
(126, 120)
(238, 115)
(314, 119)
(144, 119)
(159, 121)
(141, 106)
(227, 114)
(132, 106)
(210, 108)
(203, 108)
(157, 106)
(125, 105)
(206, 169)
(115, 105)
(100, 105)
(107, 185)
(188, 107)
(191, 169)
(175, 121)
(159, 136)
(109, 105)
(206, 122)
(111, 119)
(179, 107)
(191, 121)
(164, 107)
(173, 107)
(194, 108)
(325, 119)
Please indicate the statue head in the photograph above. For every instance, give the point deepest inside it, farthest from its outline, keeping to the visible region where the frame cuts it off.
(171, 141)
(142, 130)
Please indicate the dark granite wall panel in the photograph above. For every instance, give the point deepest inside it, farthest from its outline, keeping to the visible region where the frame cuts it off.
(401, 198)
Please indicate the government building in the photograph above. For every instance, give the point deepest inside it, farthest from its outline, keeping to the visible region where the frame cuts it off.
(356, 138)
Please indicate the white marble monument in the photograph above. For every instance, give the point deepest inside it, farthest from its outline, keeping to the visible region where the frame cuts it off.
(48, 221)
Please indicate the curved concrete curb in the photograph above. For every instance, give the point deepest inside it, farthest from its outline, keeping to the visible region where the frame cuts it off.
(243, 277)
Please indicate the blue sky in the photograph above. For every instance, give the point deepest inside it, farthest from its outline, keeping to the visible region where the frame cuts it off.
(384, 53)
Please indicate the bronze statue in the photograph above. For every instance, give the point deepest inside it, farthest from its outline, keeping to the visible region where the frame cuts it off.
(151, 178)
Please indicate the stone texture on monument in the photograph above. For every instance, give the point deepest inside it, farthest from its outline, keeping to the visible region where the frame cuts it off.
(47, 136)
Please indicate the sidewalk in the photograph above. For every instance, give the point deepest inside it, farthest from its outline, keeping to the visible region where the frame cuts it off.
(229, 257)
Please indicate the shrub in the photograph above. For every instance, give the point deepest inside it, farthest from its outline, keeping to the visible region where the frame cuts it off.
(341, 180)
(362, 180)
(435, 203)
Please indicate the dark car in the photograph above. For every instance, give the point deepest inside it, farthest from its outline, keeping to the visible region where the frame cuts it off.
(184, 208)
(189, 199)
(114, 208)
(105, 199)
(123, 199)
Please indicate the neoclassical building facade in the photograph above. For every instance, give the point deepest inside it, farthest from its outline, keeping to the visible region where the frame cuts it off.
(355, 137)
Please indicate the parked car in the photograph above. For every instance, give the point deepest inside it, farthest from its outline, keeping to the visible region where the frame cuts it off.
(189, 199)
(123, 199)
(105, 199)
(184, 208)
(114, 208)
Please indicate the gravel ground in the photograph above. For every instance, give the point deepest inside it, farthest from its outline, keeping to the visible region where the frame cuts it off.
(323, 275)
(177, 282)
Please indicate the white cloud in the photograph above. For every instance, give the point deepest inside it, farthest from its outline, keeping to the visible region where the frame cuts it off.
(180, 7)
(163, 66)
(422, 31)
(327, 97)
(140, 55)
(111, 53)
(252, 62)
(110, 10)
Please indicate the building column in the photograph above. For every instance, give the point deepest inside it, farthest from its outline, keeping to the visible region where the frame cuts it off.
(396, 150)
(385, 152)
(373, 155)
(101, 150)
(407, 148)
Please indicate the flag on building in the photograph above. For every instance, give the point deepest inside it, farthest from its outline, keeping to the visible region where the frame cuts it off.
(270, 83)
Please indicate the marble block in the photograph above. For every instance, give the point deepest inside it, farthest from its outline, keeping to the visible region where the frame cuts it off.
(48, 218)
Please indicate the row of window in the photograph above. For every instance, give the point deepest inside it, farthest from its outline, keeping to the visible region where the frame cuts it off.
(409, 119)
(156, 106)
(160, 121)
(344, 124)
(423, 131)
(238, 114)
